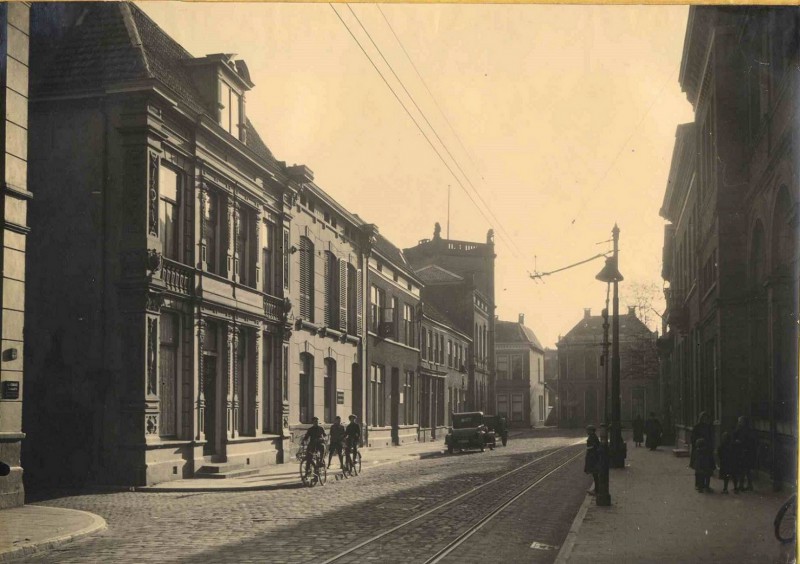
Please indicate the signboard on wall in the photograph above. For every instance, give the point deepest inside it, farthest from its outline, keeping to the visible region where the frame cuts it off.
(339, 397)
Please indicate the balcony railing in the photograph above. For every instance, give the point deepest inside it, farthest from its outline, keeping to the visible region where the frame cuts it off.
(178, 278)
(273, 308)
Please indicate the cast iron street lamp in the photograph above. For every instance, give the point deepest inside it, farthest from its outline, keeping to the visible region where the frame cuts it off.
(611, 275)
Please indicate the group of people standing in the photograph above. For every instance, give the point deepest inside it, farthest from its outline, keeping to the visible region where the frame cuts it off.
(736, 455)
(652, 428)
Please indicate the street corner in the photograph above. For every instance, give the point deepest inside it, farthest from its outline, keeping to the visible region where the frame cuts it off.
(32, 528)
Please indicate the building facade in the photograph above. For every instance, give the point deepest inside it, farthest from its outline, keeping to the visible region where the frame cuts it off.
(459, 282)
(581, 377)
(392, 354)
(730, 249)
(326, 274)
(551, 381)
(14, 40)
(521, 393)
(443, 372)
(159, 310)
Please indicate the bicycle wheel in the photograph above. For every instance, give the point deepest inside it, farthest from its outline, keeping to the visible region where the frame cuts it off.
(786, 521)
(322, 472)
(357, 464)
(306, 474)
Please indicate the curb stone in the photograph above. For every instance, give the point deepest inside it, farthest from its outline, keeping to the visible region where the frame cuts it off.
(26, 549)
(569, 542)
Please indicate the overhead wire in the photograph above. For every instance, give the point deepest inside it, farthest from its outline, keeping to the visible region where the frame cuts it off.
(507, 241)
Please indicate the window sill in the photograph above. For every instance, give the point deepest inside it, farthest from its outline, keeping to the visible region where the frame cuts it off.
(252, 439)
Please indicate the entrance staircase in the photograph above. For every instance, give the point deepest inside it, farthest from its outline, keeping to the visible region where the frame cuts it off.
(223, 470)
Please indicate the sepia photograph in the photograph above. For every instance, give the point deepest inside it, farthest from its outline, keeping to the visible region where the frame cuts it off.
(290, 282)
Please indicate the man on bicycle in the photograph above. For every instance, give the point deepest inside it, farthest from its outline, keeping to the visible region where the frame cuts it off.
(337, 438)
(314, 439)
(352, 436)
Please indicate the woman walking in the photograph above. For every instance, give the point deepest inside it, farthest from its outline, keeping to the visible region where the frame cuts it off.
(638, 430)
(653, 430)
(701, 430)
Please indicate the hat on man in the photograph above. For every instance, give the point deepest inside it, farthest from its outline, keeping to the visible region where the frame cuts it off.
(590, 427)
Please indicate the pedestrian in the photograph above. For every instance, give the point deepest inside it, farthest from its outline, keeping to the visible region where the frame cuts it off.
(653, 429)
(703, 466)
(591, 464)
(638, 430)
(728, 467)
(337, 433)
(701, 430)
(745, 447)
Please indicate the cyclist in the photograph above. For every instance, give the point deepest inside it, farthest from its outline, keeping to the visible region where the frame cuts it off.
(352, 436)
(314, 439)
(337, 437)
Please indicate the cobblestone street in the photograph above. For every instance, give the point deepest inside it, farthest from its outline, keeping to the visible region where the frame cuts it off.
(300, 525)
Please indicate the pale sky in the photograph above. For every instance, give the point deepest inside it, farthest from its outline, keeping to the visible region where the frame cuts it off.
(567, 115)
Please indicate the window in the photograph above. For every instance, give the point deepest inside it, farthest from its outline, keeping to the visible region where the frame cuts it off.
(168, 374)
(212, 233)
(306, 387)
(409, 400)
(708, 276)
(516, 407)
(377, 306)
(169, 186)
(268, 266)
(331, 290)
(376, 391)
(502, 367)
(430, 346)
(441, 349)
(306, 279)
(707, 155)
(425, 401)
(449, 353)
(423, 337)
(230, 109)
(502, 405)
(245, 247)
(329, 411)
(390, 317)
(516, 367)
(541, 408)
(353, 300)
(408, 325)
(286, 253)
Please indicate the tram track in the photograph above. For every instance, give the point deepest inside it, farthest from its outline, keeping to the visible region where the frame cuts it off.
(485, 501)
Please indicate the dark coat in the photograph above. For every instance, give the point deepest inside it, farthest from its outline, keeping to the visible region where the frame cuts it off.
(638, 430)
(701, 431)
(592, 463)
(653, 430)
(728, 461)
(745, 447)
(704, 461)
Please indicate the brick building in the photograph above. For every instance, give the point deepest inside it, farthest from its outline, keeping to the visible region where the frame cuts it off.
(459, 282)
(520, 387)
(443, 372)
(156, 323)
(730, 249)
(581, 377)
(14, 23)
(392, 351)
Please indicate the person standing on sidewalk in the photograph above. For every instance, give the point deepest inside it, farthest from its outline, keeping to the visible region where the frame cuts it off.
(703, 466)
(638, 430)
(591, 464)
(653, 429)
(728, 463)
(701, 430)
(745, 452)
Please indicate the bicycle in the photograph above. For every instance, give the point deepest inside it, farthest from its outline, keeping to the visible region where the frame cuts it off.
(312, 466)
(352, 463)
(786, 520)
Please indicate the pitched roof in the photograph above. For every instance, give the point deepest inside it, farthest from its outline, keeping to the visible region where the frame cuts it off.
(435, 274)
(393, 254)
(433, 313)
(591, 327)
(510, 332)
(113, 43)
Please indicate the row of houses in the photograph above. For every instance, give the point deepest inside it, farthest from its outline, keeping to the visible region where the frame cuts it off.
(192, 301)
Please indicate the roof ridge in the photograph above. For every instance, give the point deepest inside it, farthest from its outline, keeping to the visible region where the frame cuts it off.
(132, 6)
(133, 34)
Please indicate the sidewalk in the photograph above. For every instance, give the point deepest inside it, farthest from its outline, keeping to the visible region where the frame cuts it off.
(657, 516)
(28, 529)
(287, 475)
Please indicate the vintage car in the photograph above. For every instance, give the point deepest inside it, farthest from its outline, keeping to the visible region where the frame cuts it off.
(497, 423)
(469, 432)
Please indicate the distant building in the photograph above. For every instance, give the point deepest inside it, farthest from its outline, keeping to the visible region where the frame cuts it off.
(731, 245)
(520, 391)
(443, 372)
(459, 282)
(551, 381)
(581, 378)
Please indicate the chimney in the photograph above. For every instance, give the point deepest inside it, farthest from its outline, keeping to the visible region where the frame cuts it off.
(522, 319)
(632, 311)
(587, 312)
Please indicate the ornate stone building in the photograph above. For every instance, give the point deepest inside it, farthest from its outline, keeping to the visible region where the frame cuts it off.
(459, 281)
(14, 26)
(730, 249)
(157, 329)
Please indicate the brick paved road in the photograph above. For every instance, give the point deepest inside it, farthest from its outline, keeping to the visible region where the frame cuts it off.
(308, 525)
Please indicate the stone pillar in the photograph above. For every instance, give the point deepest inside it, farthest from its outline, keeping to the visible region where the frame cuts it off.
(199, 375)
(14, 20)
(230, 252)
(257, 363)
(231, 373)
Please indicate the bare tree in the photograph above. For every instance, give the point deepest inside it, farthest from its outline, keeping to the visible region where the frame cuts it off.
(648, 298)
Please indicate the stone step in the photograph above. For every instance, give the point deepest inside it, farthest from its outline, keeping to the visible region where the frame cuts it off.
(219, 467)
(239, 473)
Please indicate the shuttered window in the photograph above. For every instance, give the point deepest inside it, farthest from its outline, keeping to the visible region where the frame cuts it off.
(342, 295)
(353, 320)
(306, 279)
(331, 290)
(359, 305)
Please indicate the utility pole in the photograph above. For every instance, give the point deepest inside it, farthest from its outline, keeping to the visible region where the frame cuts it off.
(617, 453)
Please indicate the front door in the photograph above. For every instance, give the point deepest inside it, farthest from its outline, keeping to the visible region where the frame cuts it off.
(211, 418)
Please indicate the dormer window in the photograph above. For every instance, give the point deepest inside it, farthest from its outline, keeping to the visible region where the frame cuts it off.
(230, 109)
